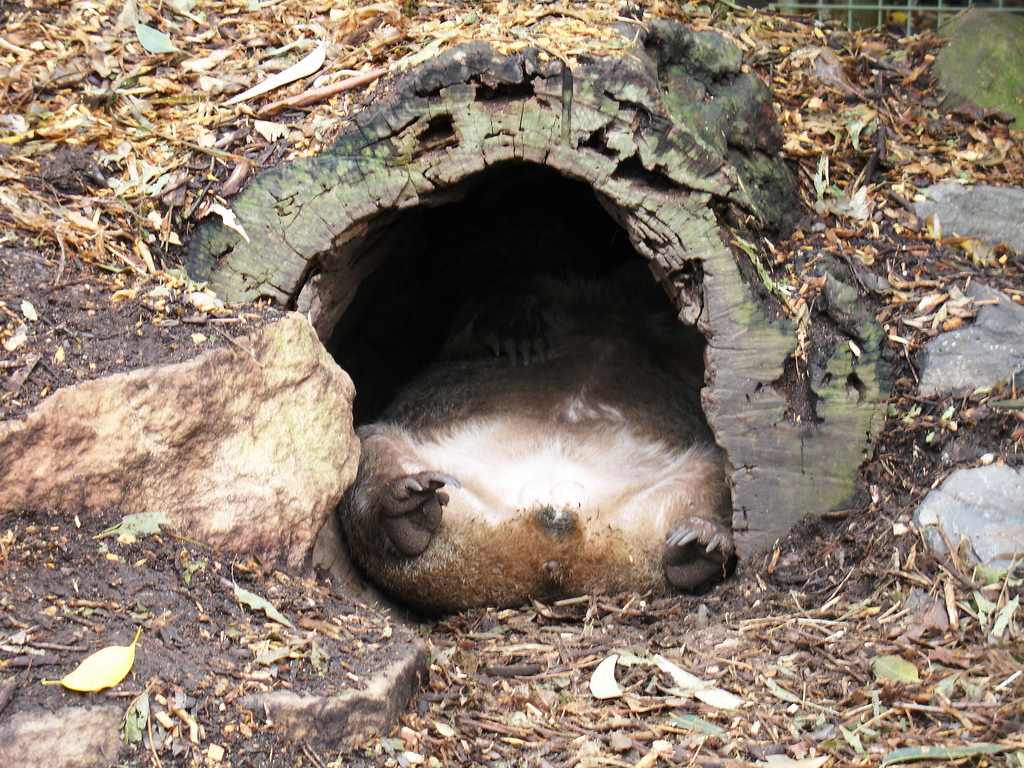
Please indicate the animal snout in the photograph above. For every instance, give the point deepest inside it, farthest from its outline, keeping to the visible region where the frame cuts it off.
(556, 521)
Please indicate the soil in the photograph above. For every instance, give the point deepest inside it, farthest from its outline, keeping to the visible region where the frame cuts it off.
(808, 616)
(94, 323)
(68, 591)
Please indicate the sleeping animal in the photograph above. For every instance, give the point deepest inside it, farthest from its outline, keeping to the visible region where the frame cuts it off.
(555, 448)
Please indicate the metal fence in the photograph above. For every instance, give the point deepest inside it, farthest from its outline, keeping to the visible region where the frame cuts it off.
(910, 15)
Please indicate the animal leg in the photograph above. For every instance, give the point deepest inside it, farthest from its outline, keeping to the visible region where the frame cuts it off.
(695, 550)
(412, 507)
(509, 323)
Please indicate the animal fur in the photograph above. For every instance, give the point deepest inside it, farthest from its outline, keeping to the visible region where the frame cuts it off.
(577, 459)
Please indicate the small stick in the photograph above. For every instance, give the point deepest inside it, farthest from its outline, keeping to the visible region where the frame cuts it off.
(324, 92)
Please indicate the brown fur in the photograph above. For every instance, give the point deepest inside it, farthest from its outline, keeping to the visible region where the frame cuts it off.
(489, 481)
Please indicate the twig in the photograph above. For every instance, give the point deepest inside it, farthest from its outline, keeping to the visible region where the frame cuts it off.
(19, 379)
(324, 92)
(249, 352)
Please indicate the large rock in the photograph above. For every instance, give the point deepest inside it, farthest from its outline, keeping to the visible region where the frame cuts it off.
(247, 447)
(984, 62)
(984, 505)
(73, 737)
(989, 350)
(992, 214)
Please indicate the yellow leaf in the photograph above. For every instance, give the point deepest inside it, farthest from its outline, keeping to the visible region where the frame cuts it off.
(103, 669)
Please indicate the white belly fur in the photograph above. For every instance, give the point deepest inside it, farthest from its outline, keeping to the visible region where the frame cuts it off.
(608, 472)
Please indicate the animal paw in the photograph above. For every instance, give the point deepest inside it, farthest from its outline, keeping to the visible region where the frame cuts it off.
(513, 325)
(695, 550)
(413, 506)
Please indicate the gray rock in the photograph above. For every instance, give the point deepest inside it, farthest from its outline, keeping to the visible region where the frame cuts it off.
(355, 718)
(247, 447)
(989, 350)
(992, 214)
(984, 505)
(72, 737)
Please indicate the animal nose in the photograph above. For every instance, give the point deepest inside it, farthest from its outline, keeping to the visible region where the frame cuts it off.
(556, 521)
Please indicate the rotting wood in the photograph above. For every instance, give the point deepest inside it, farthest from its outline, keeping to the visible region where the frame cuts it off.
(662, 134)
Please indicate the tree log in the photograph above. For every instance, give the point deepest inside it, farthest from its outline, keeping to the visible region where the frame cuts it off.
(667, 134)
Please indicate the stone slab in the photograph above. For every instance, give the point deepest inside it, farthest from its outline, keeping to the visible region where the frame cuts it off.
(72, 737)
(984, 505)
(976, 355)
(354, 719)
(992, 214)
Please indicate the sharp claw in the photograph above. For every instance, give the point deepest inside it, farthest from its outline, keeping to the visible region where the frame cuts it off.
(447, 479)
(682, 538)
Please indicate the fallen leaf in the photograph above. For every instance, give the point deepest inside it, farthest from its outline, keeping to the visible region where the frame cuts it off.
(19, 337)
(206, 63)
(153, 40)
(784, 761)
(1003, 619)
(913, 754)
(229, 219)
(129, 16)
(683, 679)
(602, 682)
(445, 730)
(779, 692)
(258, 603)
(139, 524)
(103, 669)
(270, 131)
(852, 739)
(303, 68)
(135, 719)
(694, 723)
(894, 668)
(719, 698)
(29, 311)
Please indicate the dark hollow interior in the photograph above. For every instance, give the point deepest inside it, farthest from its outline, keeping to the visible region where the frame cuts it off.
(513, 221)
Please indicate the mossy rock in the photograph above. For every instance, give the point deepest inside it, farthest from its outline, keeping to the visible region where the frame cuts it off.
(984, 63)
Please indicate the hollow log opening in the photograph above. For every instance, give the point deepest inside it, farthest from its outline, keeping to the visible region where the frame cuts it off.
(478, 165)
(514, 221)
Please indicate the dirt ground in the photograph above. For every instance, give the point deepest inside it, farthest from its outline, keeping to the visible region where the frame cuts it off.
(795, 631)
(810, 635)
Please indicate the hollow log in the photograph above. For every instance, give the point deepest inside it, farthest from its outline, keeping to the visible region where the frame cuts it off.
(667, 135)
